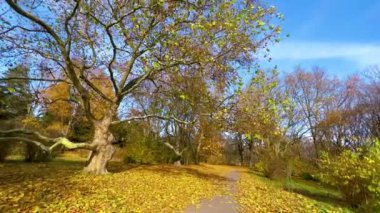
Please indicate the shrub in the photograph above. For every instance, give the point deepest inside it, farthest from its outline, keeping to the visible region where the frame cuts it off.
(145, 151)
(35, 154)
(355, 174)
(215, 159)
(139, 153)
(273, 168)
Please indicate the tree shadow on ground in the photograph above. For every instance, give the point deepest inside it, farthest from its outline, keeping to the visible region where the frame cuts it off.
(26, 185)
(119, 167)
(170, 169)
(15, 172)
(329, 198)
(321, 193)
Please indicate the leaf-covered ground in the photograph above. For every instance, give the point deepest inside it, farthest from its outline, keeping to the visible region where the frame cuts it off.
(60, 187)
(258, 194)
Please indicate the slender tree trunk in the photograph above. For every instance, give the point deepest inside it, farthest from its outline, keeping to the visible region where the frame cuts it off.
(250, 149)
(251, 159)
(241, 153)
(177, 152)
(315, 144)
(199, 146)
(193, 150)
(240, 147)
(98, 159)
(177, 162)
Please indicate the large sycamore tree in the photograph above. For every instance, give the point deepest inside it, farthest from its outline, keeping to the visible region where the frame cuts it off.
(129, 42)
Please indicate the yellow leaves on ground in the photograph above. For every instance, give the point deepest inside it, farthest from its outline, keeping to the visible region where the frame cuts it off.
(63, 188)
(220, 171)
(256, 195)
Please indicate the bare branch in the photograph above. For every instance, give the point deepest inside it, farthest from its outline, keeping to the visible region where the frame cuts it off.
(26, 140)
(22, 28)
(70, 66)
(34, 79)
(58, 141)
(70, 145)
(67, 20)
(35, 134)
(96, 89)
(135, 53)
(36, 20)
(107, 28)
(134, 83)
(167, 144)
(154, 116)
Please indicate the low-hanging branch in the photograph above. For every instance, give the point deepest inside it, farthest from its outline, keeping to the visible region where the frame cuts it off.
(35, 138)
(154, 116)
(177, 152)
(29, 133)
(26, 140)
(34, 79)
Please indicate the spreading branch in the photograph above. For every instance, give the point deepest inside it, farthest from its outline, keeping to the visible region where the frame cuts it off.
(49, 149)
(154, 116)
(39, 140)
(34, 79)
(27, 134)
(177, 152)
(64, 52)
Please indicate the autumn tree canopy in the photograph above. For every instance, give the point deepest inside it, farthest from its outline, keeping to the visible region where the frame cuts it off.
(127, 43)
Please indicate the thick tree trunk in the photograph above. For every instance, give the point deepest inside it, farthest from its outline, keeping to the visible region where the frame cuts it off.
(98, 159)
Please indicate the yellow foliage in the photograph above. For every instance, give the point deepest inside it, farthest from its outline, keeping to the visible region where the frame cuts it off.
(58, 100)
(99, 106)
(30, 122)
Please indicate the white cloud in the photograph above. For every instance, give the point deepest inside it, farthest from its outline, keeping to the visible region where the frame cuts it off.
(363, 54)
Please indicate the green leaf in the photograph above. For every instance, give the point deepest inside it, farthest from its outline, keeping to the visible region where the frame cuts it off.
(11, 90)
(155, 65)
(182, 97)
(260, 23)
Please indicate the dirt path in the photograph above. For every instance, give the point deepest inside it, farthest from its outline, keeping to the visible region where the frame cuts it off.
(219, 204)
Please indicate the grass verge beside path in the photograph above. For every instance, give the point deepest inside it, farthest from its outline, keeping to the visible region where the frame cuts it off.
(259, 194)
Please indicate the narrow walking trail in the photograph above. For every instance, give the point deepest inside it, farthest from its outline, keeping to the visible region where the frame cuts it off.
(222, 203)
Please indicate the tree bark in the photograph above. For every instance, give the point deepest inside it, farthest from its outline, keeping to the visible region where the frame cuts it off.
(240, 147)
(251, 152)
(199, 146)
(99, 158)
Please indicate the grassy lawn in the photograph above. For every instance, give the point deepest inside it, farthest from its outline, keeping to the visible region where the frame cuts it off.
(259, 194)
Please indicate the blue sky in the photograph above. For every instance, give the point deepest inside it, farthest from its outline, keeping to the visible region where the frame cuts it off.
(341, 36)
